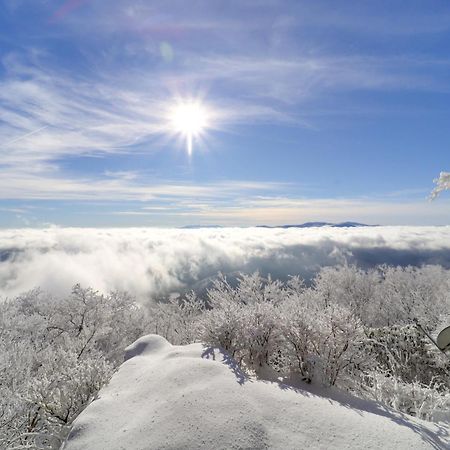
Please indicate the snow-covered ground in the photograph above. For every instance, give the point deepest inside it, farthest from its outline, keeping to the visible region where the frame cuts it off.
(191, 397)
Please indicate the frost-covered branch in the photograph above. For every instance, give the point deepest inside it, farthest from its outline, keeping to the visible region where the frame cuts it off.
(442, 184)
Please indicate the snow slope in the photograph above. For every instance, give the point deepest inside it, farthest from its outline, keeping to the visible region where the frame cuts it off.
(190, 397)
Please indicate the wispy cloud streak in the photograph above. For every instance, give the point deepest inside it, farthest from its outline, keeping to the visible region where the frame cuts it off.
(256, 63)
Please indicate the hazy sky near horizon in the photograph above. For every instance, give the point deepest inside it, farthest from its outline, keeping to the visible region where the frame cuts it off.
(315, 110)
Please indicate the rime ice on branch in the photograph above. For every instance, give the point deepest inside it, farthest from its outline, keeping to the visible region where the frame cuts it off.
(442, 184)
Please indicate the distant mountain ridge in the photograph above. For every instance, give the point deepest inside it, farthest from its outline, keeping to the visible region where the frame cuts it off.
(320, 224)
(301, 225)
(194, 227)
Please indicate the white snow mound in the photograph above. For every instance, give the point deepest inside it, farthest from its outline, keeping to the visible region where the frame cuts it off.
(192, 397)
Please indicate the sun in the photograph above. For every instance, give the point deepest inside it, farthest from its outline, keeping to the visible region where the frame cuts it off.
(189, 119)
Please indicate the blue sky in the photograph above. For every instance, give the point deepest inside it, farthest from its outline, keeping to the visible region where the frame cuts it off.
(316, 111)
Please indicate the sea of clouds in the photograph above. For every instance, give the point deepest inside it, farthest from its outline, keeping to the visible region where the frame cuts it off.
(150, 262)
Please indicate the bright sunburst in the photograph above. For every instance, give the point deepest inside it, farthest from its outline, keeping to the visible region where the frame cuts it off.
(190, 119)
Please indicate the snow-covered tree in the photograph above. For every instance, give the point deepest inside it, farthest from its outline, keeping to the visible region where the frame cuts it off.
(243, 319)
(348, 286)
(321, 342)
(442, 184)
(405, 294)
(55, 354)
(176, 319)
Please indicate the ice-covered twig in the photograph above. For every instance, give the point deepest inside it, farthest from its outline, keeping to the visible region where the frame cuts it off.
(442, 184)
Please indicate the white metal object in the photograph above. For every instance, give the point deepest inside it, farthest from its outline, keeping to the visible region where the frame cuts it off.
(443, 339)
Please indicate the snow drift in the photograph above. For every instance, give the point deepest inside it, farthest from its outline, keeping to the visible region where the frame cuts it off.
(192, 397)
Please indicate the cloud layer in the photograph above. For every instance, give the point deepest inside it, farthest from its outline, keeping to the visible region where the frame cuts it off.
(149, 262)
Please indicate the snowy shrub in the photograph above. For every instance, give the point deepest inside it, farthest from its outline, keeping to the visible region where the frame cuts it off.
(65, 383)
(221, 327)
(259, 318)
(408, 293)
(405, 353)
(348, 286)
(89, 320)
(176, 319)
(243, 320)
(426, 401)
(321, 342)
(60, 389)
(297, 332)
(325, 333)
(55, 354)
(258, 325)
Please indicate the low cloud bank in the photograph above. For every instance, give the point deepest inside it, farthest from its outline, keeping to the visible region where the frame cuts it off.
(149, 262)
